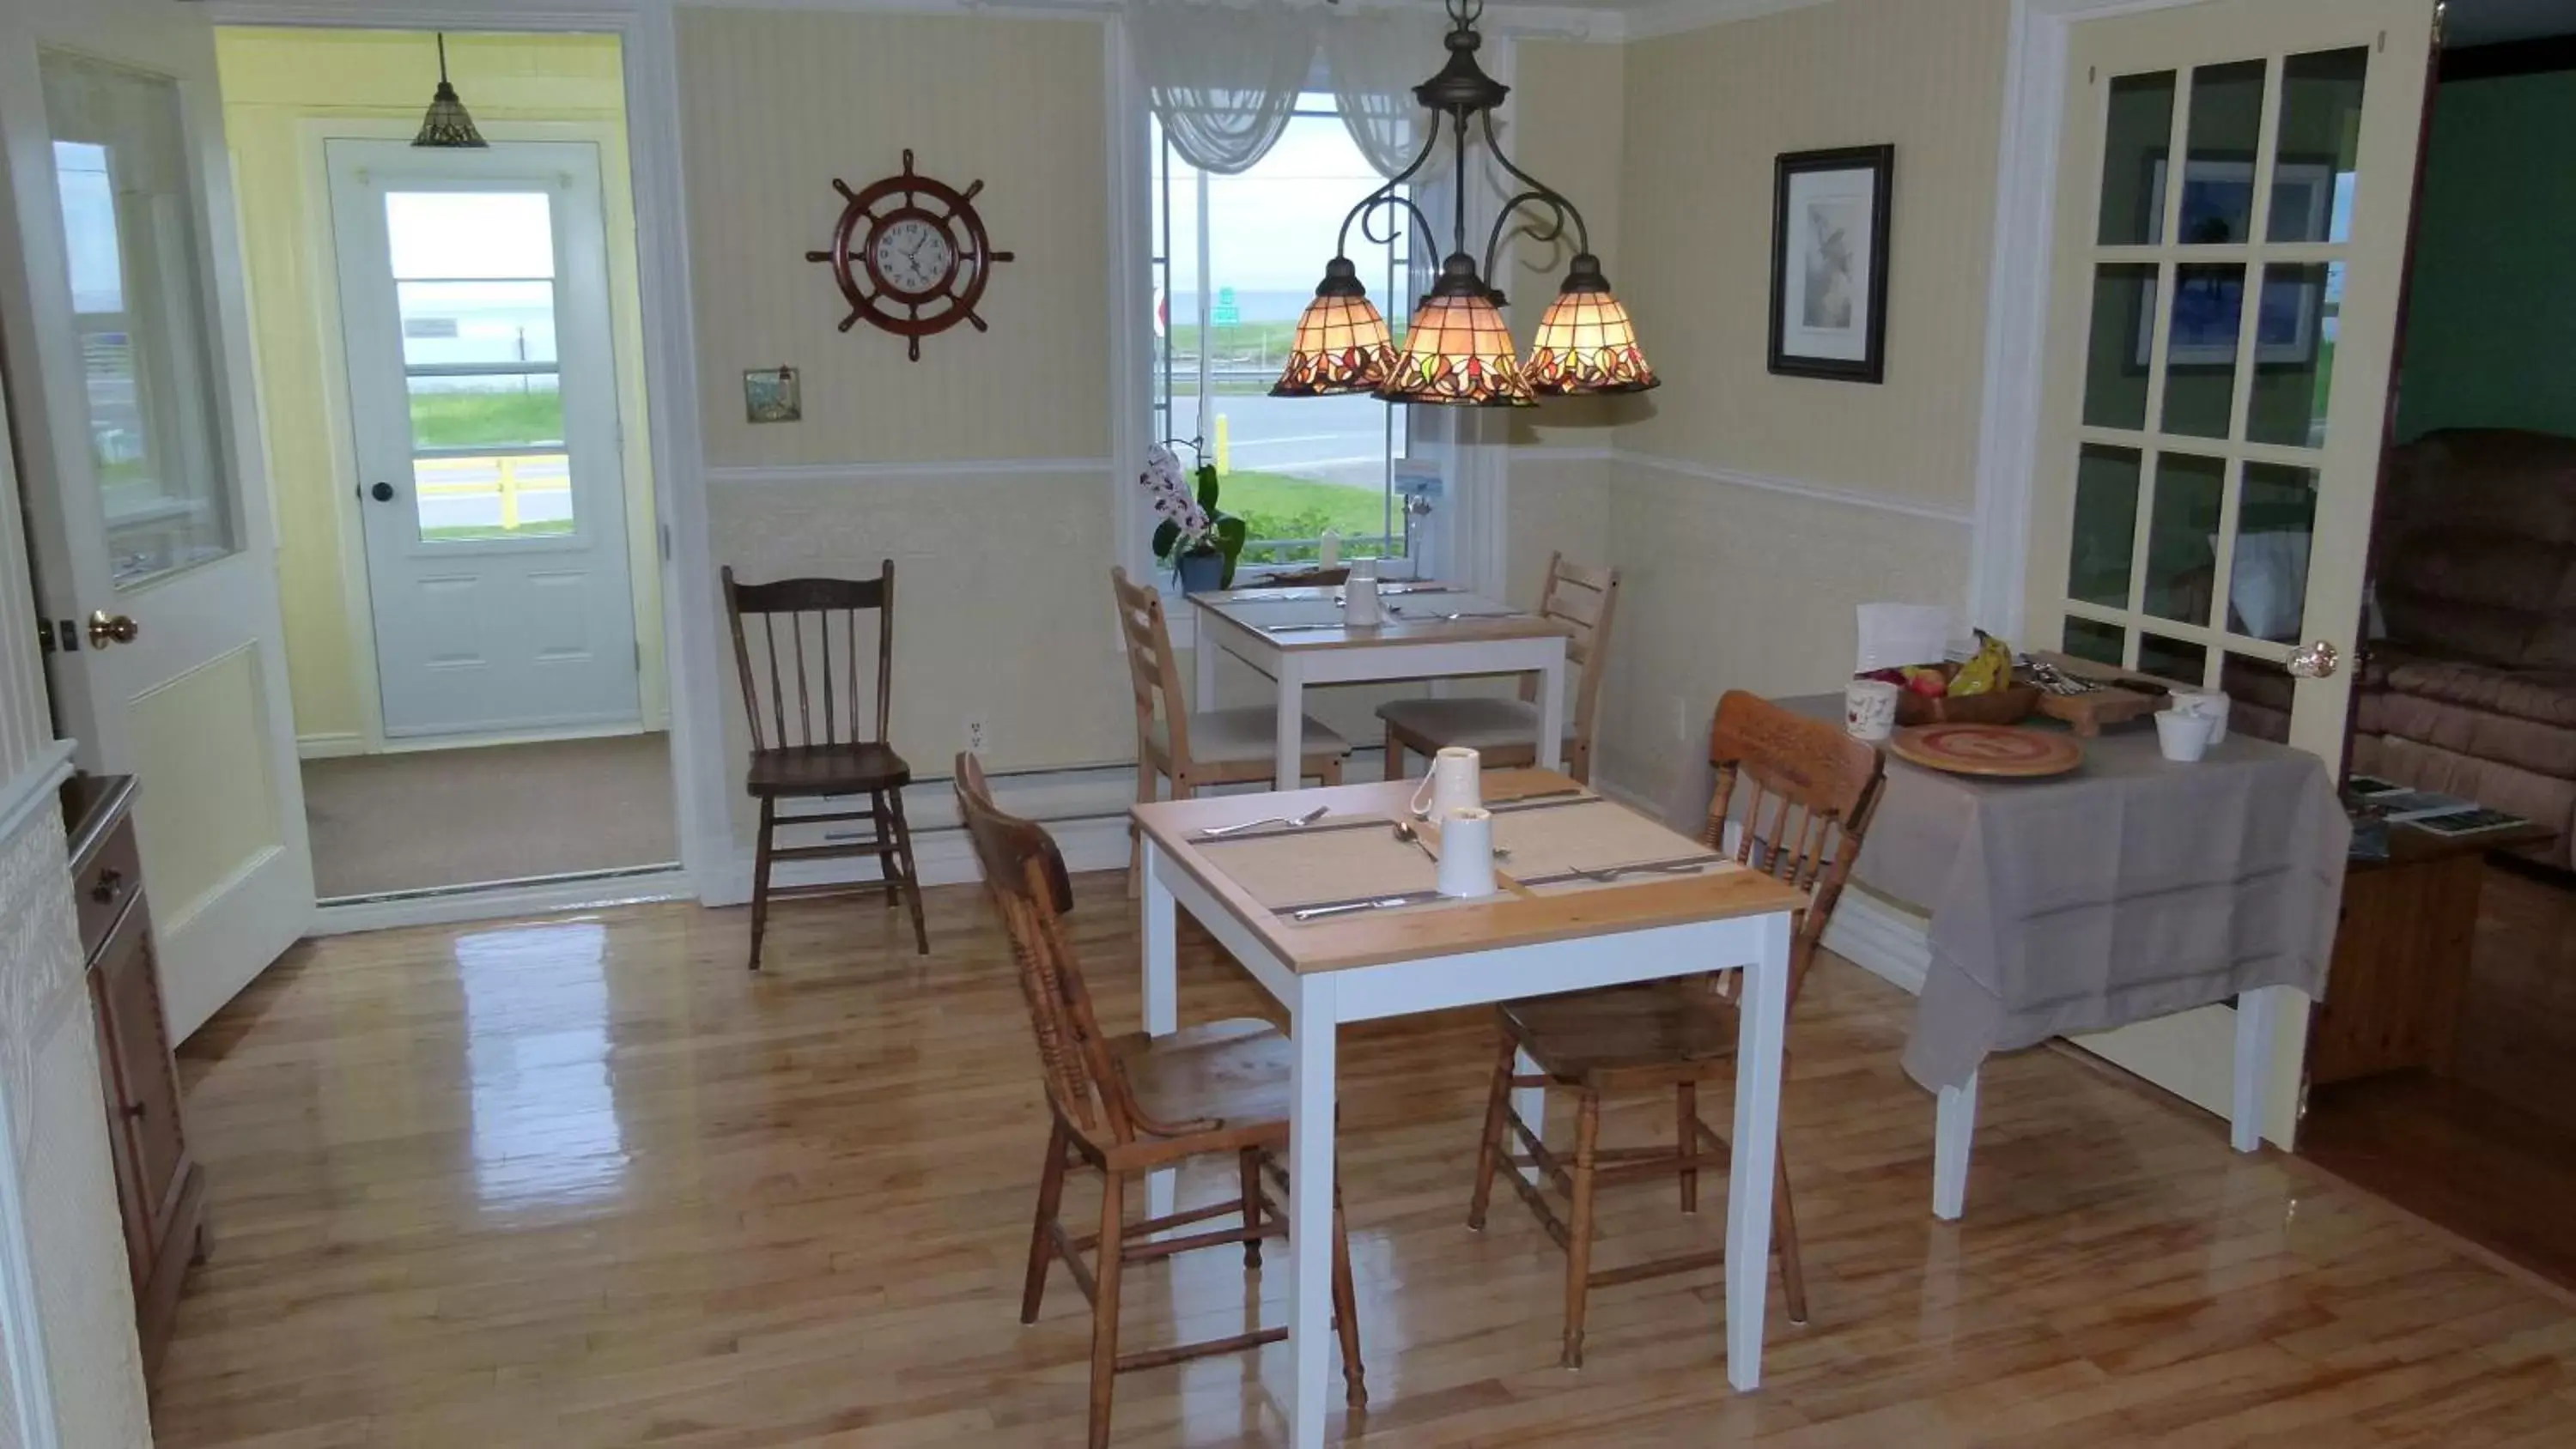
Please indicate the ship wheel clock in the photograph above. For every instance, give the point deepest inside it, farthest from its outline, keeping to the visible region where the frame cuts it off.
(911, 256)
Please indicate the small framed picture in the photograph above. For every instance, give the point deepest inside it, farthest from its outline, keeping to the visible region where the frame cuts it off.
(1829, 213)
(771, 395)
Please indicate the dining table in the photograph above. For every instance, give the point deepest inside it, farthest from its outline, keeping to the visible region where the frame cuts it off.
(1340, 920)
(1425, 630)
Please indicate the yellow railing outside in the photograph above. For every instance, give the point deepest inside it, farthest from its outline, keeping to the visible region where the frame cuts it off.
(501, 477)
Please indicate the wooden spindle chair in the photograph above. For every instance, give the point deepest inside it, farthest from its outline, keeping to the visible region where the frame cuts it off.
(1128, 1105)
(1801, 791)
(806, 742)
(1505, 731)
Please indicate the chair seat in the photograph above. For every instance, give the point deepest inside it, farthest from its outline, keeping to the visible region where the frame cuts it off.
(1233, 736)
(826, 770)
(1233, 1071)
(1660, 1025)
(1475, 722)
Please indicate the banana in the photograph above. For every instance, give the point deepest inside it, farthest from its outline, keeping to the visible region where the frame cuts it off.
(1989, 670)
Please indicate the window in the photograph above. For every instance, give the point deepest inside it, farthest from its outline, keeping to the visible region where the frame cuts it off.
(1235, 262)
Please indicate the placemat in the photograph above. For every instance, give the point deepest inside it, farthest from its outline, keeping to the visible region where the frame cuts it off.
(1288, 869)
(1549, 840)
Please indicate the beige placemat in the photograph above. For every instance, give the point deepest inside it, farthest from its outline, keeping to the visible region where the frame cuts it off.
(1547, 843)
(1290, 869)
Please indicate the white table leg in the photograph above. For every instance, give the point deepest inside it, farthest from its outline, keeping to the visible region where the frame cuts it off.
(1312, 1025)
(2257, 1013)
(1760, 1040)
(1203, 667)
(1162, 1001)
(1291, 742)
(1530, 1105)
(1551, 713)
(1954, 1126)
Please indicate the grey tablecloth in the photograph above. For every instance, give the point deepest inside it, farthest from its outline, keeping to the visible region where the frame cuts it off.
(2131, 888)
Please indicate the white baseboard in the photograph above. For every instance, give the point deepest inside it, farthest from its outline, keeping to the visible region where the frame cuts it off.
(335, 746)
(501, 902)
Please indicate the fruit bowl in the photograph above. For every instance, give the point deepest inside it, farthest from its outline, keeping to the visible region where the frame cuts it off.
(2010, 705)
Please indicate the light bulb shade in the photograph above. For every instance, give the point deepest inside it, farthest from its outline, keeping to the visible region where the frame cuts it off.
(1341, 346)
(1458, 353)
(447, 127)
(1586, 344)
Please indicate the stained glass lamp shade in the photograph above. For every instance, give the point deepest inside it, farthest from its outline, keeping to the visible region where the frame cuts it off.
(1458, 351)
(447, 127)
(1585, 342)
(1341, 345)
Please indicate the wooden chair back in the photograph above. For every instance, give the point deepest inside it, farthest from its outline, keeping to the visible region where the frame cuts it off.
(1025, 876)
(1803, 792)
(1583, 599)
(1153, 673)
(795, 663)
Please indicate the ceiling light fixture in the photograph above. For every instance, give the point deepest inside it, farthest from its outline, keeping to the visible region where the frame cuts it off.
(1458, 352)
(447, 127)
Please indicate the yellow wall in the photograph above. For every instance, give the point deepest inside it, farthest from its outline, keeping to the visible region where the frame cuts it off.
(284, 92)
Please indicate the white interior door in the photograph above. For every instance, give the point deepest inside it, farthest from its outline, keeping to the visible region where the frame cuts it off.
(2207, 469)
(483, 400)
(121, 310)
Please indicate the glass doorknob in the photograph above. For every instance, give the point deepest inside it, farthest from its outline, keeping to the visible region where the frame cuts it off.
(2314, 660)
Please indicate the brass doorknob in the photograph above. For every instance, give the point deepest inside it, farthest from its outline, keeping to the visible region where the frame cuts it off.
(106, 628)
(2317, 660)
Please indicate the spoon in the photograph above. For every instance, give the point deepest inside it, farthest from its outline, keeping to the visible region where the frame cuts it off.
(1219, 832)
(1405, 832)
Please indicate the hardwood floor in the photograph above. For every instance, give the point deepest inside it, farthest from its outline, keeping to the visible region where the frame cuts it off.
(587, 1182)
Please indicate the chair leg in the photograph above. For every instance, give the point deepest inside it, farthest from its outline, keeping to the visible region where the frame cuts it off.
(1250, 1159)
(885, 857)
(1784, 1240)
(1489, 1149)
(1041, 1242)
(1578, 1234)
(1394, 755)
(1346, 1308)
(911, 871)
(1104, 1304)
(760, 878)
(1686, 1140)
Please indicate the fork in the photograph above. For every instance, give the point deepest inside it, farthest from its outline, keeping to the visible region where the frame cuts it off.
(1668, 867)
(1219, 832)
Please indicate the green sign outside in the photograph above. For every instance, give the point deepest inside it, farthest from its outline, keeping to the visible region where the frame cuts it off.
(1225, 313)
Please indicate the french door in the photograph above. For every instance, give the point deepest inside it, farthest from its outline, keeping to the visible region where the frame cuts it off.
(483, 400)
(2218, 362)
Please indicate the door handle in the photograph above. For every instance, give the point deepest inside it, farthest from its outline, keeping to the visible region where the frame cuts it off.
(2315, 660)
(106, 628)
(382, 493)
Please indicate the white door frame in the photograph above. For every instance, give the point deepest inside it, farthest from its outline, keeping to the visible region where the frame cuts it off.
(648, 48)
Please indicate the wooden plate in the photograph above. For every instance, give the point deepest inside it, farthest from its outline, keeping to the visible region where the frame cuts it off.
(1986, 749)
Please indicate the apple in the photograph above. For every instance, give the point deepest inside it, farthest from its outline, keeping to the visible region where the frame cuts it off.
(1930, 683)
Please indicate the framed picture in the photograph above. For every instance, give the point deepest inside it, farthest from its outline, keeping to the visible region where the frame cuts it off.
(2217, 194)
(772, 395)
(1829, 213)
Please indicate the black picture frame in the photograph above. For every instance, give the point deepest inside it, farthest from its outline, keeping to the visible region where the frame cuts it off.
(1879, 162)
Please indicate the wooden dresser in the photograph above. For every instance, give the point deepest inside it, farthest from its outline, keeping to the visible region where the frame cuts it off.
(160, 1190)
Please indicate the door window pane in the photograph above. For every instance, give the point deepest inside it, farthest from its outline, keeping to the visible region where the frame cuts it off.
(452, 235)
(2319, 146)
(2294, 354)
(2172, 659)
(2115, 373)
(2200, 348)
(512, 496)
(139, 309)
(2139, 131)
(2218, 173)
(507, 410)
(2094, 640)
(2276, 521)
(447, 324)
(2106, 525)
(2182, 531)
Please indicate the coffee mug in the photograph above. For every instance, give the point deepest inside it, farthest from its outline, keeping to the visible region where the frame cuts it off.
(1869, 709)
(1359, 595)
(2209, 703)
(2183, 735)
(1456, 782)
(1467, 854)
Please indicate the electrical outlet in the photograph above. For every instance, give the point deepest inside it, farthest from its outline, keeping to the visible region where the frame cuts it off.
(977, 736)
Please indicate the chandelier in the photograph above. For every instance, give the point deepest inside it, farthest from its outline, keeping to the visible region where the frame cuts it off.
(1458, 352)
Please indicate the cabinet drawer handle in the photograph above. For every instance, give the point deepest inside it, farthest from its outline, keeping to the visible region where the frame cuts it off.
(111, 883)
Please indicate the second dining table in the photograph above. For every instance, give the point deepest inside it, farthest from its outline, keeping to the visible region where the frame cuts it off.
(1339, 920)
(1426, 630)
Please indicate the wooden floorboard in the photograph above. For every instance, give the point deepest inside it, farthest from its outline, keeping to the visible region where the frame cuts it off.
(585, 1182)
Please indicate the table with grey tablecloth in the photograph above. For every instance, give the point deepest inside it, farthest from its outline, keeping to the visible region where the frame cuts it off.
(2131, 888)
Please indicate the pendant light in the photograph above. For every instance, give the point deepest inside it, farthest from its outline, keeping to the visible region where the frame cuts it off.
(1458, 350)
(447, 127)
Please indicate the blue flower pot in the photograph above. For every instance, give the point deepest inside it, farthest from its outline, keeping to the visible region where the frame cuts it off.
(1200, 572)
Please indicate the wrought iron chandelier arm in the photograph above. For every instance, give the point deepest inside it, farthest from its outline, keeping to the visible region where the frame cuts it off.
(1554, 198)
(1558, 211)
(1387, 197)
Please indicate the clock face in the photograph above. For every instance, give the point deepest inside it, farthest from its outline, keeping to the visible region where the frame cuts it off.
(913, 254)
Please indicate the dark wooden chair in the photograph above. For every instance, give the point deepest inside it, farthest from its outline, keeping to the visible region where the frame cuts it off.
(794, 758)
(1505, 731)
(1127, 1105)
(1801, 792)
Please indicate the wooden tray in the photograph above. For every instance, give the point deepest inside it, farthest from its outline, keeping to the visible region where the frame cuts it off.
(1984, 749)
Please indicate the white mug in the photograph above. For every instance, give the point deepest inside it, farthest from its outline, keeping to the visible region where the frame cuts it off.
(2182, 735)
(2208, 703)
(1359, 600)
(1869, 709)
(1456, 782)
(1467, 853)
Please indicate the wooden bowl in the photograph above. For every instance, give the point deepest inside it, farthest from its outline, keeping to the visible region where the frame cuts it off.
(2010, 705)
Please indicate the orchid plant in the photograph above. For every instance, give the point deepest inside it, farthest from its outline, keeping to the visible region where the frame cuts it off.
(1192, 525)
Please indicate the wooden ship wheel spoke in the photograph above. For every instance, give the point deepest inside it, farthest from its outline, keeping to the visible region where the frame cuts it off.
(910, 255)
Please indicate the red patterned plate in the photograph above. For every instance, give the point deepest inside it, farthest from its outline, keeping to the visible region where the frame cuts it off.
(1987, 749)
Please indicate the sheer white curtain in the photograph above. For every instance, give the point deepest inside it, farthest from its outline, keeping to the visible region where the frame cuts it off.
(1223, 79)
(1375, 59)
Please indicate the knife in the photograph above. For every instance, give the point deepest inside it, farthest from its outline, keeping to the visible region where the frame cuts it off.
(1380, 903)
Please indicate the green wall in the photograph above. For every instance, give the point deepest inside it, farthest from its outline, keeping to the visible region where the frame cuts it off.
(2491, 325)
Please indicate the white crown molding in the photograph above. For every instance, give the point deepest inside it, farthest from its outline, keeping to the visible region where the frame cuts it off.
(1674, 17)
(1565, 22)
(1818, 492)
(960, 469)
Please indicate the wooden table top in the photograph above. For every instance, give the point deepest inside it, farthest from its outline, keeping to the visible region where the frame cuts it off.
(1370, 938)
(1408, 617)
